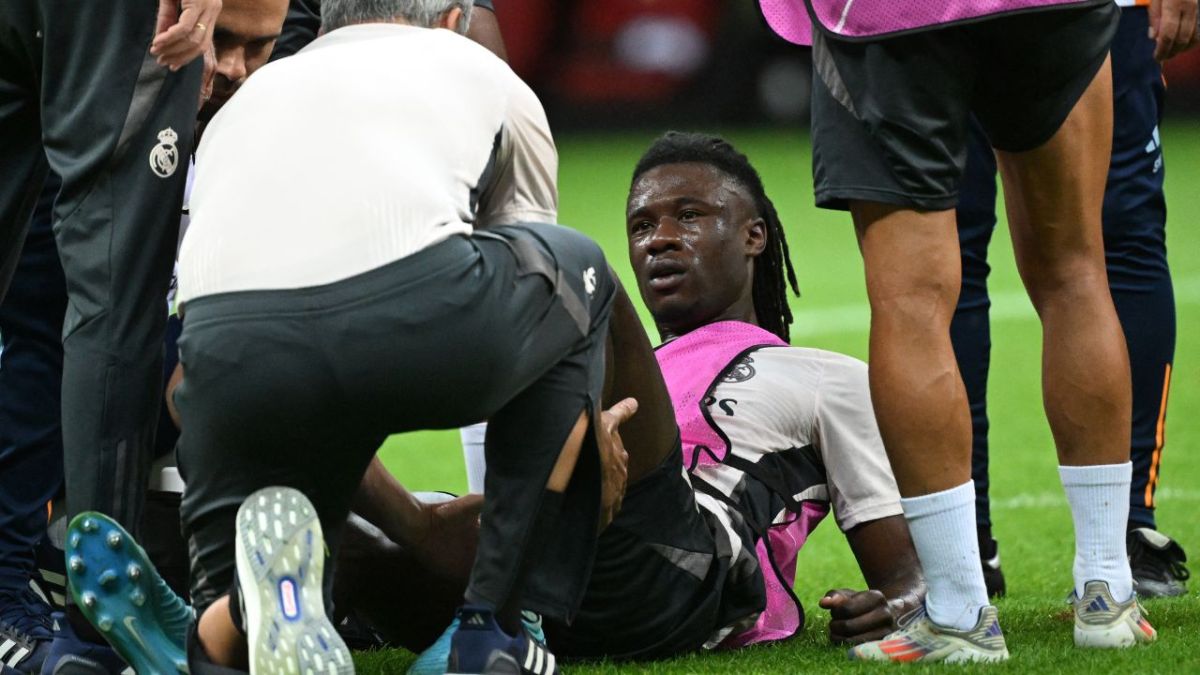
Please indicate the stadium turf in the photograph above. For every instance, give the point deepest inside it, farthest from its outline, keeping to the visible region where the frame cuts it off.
(1031, 518)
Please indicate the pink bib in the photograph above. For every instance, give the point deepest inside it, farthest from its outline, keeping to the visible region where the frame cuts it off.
(879, 18)
(691, 366)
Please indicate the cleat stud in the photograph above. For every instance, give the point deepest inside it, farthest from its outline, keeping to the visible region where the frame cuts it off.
(74, 540)
(134, 571)
(138, 598)
(104, 624)
(88, 525)
(89, 600)
(107, 578)
(77, 565)
(114, 539)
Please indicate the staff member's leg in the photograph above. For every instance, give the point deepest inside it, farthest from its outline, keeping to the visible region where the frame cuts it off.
(31, 467)
(1135, 215)
(117, 128)
(23, 632)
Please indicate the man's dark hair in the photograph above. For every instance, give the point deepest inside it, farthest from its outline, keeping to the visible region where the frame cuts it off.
(769, 289)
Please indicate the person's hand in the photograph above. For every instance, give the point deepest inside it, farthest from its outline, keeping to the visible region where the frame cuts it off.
(1173, 27)
(210, 71)
(614, 460)
(860, 616)
(451, 537)
(184, 31)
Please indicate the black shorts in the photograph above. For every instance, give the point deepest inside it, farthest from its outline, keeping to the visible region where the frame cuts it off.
(890, 116)
(300, 387)
(661, 584)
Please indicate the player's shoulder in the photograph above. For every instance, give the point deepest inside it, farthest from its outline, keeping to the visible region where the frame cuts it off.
(793, 356)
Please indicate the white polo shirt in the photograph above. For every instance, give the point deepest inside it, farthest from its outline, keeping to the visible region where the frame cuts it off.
(370, 144)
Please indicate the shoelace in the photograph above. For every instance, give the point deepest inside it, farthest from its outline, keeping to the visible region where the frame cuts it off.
(25, 615)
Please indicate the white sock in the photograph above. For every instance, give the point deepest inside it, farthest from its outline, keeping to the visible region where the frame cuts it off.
(472, 442)
(942, 525)
(1099, 498)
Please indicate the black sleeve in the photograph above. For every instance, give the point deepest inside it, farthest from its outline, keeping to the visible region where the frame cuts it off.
(299, 28)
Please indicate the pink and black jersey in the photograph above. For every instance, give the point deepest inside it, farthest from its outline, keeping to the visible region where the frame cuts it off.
(774, 436)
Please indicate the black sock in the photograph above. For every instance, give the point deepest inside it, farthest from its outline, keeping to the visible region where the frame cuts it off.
(540, 535)
(84, 630)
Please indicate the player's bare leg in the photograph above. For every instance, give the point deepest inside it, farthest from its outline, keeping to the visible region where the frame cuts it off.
(913, 275)
(1053, 197)
(913, 272)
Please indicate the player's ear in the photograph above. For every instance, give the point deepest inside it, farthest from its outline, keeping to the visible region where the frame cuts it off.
(453, 20)
(755, 237)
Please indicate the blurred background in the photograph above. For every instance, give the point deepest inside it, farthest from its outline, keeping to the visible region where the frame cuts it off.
(641, 63)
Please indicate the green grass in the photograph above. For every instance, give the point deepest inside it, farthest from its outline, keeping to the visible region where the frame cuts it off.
(1031, 518)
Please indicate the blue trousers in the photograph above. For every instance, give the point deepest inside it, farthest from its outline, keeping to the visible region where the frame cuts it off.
(1135, 216)
(31, 369)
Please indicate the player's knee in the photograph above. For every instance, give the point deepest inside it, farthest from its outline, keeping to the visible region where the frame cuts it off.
(920, 301)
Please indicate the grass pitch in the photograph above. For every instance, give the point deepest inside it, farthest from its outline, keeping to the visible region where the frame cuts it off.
(1030, 514)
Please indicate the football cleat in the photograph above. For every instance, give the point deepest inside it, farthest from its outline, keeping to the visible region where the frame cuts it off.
(1157, 564)
(25, 631)
(993, 576)
(117, 588)
(280, 563)
(479, 645)
(920, 639)
(1101, 621)
(434, 660)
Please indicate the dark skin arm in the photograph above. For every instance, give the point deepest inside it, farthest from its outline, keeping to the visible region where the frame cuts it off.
(890, 567)
(437, 534)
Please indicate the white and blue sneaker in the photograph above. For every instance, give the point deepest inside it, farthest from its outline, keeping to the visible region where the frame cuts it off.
(280, 562)
(479, 645)
(434, 660)
(1101, 621)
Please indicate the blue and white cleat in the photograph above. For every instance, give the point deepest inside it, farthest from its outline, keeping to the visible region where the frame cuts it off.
(280, 562)
(479, 645)
(122, 595)
(435, 659)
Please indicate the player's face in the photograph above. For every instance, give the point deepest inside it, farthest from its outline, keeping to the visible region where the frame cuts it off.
(693, 236)
(243, 39)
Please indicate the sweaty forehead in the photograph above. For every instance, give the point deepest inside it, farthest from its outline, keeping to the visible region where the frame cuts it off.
(684, 180)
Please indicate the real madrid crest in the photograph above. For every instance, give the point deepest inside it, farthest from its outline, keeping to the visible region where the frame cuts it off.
(164, 157)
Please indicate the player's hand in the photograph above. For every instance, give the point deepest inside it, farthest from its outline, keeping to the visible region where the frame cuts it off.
(1173, 27)
(448, 545)
(184, 31)
(859, 616)
(614, 460)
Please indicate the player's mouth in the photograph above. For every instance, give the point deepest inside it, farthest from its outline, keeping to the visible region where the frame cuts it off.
(665, 275)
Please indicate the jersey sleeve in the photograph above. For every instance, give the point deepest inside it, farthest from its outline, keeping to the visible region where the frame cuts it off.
(861, 484)
(524, 184)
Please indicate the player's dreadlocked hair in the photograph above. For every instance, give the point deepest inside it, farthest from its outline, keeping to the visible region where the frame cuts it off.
(769, 289)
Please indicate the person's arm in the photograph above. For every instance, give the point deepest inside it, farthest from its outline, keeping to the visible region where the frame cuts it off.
(442, 536)
(867, 504)
(522, 185)
(890, 567)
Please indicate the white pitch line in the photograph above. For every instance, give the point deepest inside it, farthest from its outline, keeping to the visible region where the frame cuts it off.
(1041, 500)
(1006, 306)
